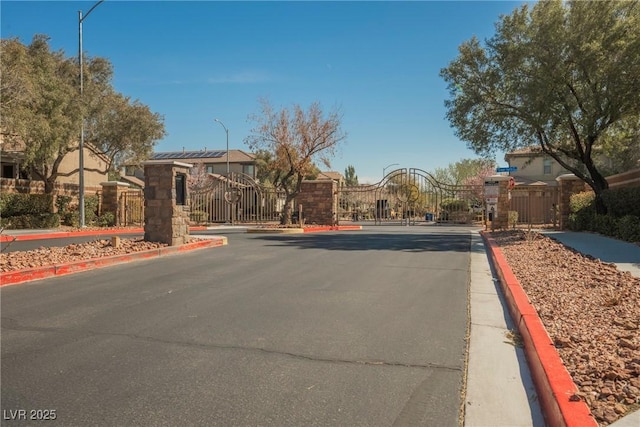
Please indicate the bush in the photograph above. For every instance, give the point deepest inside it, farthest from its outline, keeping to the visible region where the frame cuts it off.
(107, 219)
(582, 202)
(629, 228)
(604, 224)
(62, 204)
(622, 201)
(513, 218)
(451, 205)
(198, 216)
(91, 209)
(14, 204)
(45, 220)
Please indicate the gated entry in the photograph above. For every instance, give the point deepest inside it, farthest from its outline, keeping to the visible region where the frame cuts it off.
(411, 196)
(235, 198)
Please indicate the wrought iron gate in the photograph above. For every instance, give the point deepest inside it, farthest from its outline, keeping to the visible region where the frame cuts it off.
(411, 196)
(131, 208)
(235, 198)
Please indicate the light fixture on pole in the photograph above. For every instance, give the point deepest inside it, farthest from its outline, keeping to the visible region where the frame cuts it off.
(81, 146)
(387, 167)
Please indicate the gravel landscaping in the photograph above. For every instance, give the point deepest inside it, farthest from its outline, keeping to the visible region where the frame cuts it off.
(591, 311)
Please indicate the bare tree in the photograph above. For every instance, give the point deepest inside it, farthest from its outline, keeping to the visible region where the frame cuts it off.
(295, 139)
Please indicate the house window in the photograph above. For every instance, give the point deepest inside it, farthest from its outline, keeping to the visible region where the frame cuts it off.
(7, 171)
(209, 168)
(248, 170)
(547, 166)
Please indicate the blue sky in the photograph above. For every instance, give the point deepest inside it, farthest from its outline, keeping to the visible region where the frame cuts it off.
(193, 61)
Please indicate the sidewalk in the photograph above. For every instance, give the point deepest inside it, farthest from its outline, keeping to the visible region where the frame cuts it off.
(626, 256)
(500, 390)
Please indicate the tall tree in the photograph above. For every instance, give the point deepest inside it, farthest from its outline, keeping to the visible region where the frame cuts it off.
(463, 172)
(41, 110)
(558, 75)
(295, 140)
(350, 177)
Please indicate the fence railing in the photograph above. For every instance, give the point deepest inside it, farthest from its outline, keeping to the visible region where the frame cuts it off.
(535, 205)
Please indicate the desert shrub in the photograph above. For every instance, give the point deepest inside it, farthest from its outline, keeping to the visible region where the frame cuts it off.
(451, 205)
(14, 204)
(582, 214)
(582, 201)
(628, 228)
(71, 218)
(107, 219)
(43, 220)
(604, 224)
(513, 218)
(198, 216)
(91, 209)
(63, 203)
(622, 201)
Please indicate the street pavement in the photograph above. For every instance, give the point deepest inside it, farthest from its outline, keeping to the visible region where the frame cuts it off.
(336, 328)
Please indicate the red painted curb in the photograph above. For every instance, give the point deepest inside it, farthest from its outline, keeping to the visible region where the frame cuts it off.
(551, 378)
(28, 275)
(332, 228)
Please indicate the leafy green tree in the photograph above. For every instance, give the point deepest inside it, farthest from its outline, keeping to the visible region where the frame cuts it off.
(42, 110)
(350, 177)
(292, 140)
(557, 75)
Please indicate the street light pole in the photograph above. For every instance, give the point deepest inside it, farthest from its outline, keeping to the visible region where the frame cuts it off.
(387, 167)
(81, 146)
(226, 182)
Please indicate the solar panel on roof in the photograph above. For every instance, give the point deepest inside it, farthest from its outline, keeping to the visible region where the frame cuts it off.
(187, 155)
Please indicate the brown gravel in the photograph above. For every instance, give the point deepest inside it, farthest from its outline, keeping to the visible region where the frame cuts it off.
(42, 257)
(591, 311)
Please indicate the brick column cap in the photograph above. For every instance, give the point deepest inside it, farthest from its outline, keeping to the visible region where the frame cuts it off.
(567, 176)
(166, 162)
(115, 184)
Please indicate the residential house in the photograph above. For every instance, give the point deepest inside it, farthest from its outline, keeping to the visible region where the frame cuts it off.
(534, 167)
(15, 177)
(334, 176)
(214, 162)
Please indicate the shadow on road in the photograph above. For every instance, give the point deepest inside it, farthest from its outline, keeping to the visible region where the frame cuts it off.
(374, 241)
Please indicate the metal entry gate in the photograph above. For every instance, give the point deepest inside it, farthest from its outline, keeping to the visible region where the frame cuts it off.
(411, 196)
(234, 198)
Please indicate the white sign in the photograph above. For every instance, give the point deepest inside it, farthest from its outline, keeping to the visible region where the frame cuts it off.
(491, 191)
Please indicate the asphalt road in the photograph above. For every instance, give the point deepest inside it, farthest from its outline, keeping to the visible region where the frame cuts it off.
(362, 328)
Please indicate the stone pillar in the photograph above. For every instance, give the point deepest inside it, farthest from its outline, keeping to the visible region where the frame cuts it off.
(496, 188)
(319, 201)
(568, 185)
(166, 202)
(111, 191)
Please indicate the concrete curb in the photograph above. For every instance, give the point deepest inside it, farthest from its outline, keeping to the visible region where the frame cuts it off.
(304, 230)
(28, 275)
(555, 388)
